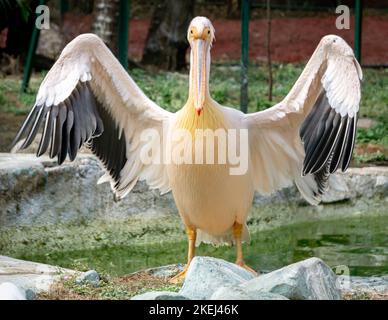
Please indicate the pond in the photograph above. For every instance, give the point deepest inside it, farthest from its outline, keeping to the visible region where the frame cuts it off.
(358, 244)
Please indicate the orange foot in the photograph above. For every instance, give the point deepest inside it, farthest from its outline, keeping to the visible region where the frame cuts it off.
(180, 277)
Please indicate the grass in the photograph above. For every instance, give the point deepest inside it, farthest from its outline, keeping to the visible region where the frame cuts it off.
(109, 288)
(378, 134)
(170, 90)
(12, 101)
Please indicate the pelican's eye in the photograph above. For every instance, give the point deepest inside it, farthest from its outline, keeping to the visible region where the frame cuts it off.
(191, 31)
(208, 32)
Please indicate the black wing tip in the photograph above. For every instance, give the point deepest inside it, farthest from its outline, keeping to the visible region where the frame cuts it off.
(325, 135)
(348, 152)
(26, 127)
(67, 125)
(110, 149)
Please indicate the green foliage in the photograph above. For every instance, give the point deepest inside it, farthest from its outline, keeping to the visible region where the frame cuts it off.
(378, 134)
(170, 91)
(374, 103)
(11, 101)
(24, 8)
(374, 157)
(22, 4)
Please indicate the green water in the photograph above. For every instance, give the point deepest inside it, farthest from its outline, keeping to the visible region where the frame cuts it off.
(360, 244)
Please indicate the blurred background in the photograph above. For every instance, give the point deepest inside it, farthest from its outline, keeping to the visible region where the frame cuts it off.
(149, 37)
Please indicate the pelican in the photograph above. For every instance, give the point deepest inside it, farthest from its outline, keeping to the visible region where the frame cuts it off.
(88, 98)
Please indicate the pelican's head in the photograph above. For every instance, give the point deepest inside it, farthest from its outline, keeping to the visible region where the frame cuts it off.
(200, 36)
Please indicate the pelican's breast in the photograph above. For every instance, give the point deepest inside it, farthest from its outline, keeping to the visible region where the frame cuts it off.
(207, 195)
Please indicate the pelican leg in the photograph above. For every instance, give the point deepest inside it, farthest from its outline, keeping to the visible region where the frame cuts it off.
(237, 233)
(192, 236)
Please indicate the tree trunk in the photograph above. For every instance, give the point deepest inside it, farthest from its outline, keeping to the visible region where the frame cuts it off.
(233, 9)
(105, 22)
(166, 43)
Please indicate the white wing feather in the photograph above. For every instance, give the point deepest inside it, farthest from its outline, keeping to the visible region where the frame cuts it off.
(277, 152)
(87, 59)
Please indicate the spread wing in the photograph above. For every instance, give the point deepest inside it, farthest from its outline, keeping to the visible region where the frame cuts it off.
(311, 133)
(88, 98)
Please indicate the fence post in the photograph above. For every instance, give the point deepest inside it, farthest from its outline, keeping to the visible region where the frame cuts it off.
(123, 33)
(64, 7)
(358, 29)
(30, 54)
(245, 4)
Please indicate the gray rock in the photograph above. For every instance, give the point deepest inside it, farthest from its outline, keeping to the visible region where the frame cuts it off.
(89, 277)
(164, 272)
(30, 294)
(338, 190)
(27, 275)
(206, 275)
(8, 291)
(368, 181)
(238, 293)
(310, 279)
(159, 295)
(36, 191)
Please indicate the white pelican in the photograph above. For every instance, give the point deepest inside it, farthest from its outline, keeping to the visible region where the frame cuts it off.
(87, 97)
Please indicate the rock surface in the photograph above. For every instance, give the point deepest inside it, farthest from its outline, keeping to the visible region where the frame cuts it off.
(206, 275)
(238, 293)
(210, 278)
(215, 279)
(8, 291)
(310, 279)
(163, 272)
(89, 277)
(38, 191)
(27, 275)
(367, 182)
(159, 295)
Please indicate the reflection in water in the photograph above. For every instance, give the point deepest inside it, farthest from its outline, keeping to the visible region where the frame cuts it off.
(358, 243)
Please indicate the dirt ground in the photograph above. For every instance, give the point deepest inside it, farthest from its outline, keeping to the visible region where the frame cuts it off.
(293, 39)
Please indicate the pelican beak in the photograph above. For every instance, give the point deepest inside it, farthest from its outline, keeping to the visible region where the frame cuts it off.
(199, 75)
